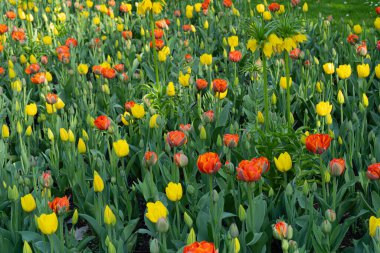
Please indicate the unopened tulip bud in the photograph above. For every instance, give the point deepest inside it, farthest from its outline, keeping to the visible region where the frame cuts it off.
(190, 189)
(242, 214)
(285, 245)
(260, 117)
(326, 227)
(274, 99)
(215, 196)
(234, 231)
(219, 141)
(314, 187)
(154, 246)
(271, 192)
(289, 190)
(289, 233)
(188, 220)
(191, 238)
(162, 225)
(340, 97)
(330, 215)
(74, 219)
(13, 193)
(26, 248)
(305, 188)
(203, 133)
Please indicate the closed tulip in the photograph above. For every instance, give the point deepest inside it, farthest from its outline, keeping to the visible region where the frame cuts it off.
(340, 97)
(344, 71)
(283, 82)
(63, 135)
(363, 70)
(47, 223)
(98, 182)
(121, 147)
(81, 146)
(28, 203)
(109, 216)
(170, 90)
(31, 109)
(329, 68)
(377, 71)
(283, 162)
(374, 223)
(5, 131)
(206, 59)
(174, 191)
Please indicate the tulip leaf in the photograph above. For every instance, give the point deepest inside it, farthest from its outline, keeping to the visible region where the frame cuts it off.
(30, 236)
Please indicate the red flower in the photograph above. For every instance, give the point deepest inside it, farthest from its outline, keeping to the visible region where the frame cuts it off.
(227, 3)
(19, 35)
(231, 140)
(208, 116)
(295, 53)
(280, 230)
(219, 85)
(108, 73)
(201, 84)
(97, 69)
(119, 67)
(51, 98)
(128, 106)
(150, 158)
(32, 68)
(373, 171)
(124, 8)
(263, 163)
(185, 128)
(361, 50)
(235, 56)
(248, 171)
(127, 35)
(159, 44)
(71, 42)
(62, 49)
(60, 205)
(378, 45)
(158, 33)
(64, 57)
(176, 138)
(205, 5)
(11, 15)
(188, 57)
(200, 247)
(3, 28)
(295, 3)
(180, 160)
(2, 70)
(46, 179)
(209, 163)
(318, 143)
(162, 24)
(273, 7)
(377, 10)
(38, 78)
(337, 166)
(352, 39)
(102, 122)
(186, 28)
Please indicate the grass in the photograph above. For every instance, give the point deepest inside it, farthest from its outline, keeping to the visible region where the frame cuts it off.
(355, 10)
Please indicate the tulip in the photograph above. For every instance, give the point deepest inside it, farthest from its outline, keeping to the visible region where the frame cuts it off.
(181, 160)
(47, 223)
(260, 8)
(357, 29)
(28, 203)
(318, 143)
(323, 108)
(74, 219)
(98, 182)
(174, 191)
(337, 167)
(31, 109)
(373, 171)
(248, 171)
(138, 111)
(283, 162)
(206, 59)
(340, 97)
(203, 246)
(377, 71)
(81, 146)
(121, 148)
(109, 216)
(153, 121)
(82, 69)
(60, 205)
(283, 82)
(63, 134)
(26, 248)
(155, 211)
(344, 71)
(28, 131)
(209, 163)
(5, 131)
(363, 70)
(374, 223)
(305, 7)
(365, 100)
(329, 68)
(170, 91)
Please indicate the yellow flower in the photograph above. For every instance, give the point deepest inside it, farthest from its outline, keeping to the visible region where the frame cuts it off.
(47, 223)
(363, 70)
(319, 87)
(50, 108)
(377, 23)
(260, 8)
(198, 7)
(50, 135)
(144, 6)
(125, 118)
(155, 211)
(357, 29)
(71, 136)
(344, 71)
(81, 146)
(83, 69)
(206, 59)
(153, 121)
(252, 45)
(60, 104)
(289, 44)
(5, 131)
(109, 216)
(157, 8)
(28, 203)
(28, 131)
(47, 40)
(283, 162)
(174, 191)
(170, 91)
(305, 7)
(267, 16)
(61, 17)
(237, 245)
(283, 82)
(340, 97)
(260, 117)
(268, 49)
(163, 54)
(205, 25)
(31, 109)
(329, 68)
(282, 9)
(300, 38)
(184, 79)
(63, 134)
(323, 108)
(26, 248)
(98, 182)
(374, 223)
(138, 111)
(189, 11)
(377, 71)
(233, 41)
(121, 147)
(365, 100)
(221, 95)
(329, 119)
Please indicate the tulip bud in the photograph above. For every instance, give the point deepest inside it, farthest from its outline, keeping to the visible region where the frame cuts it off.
(314, 187)
(154, 246)
(326, 227)
(162, 225)
(13, 193)
(234, 231)
(203, 134)
(191, 238)
(260, 117)
(274, 99)
(219, 141)
(289, 190)
(242, 214)
(365, 100)
(26, 248)
(285, 245)
(74, 219)
(305, 188)
(340, 97)
(188, 220)
(215, 196)
(330, 215)
(271, 192)
(190, 189)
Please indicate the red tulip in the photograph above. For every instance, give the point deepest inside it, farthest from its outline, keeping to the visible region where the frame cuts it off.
(209, 163)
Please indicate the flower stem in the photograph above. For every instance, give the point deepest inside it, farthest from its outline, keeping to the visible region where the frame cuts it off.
(287, 74)
(266, 105)
(154, 48)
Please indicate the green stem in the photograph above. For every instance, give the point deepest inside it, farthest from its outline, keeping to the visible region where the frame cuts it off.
(335, 186)
(154, 48)
(212, 209)
(266, 105)
(178, 218)
(322, 177)
(61, 232)
(287, 74)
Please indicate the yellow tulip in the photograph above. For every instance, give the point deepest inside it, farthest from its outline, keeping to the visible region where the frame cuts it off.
(5, 131)
(340, 97)
(50, 135)
(344, 71)
(377, 71)
(189, 11)
(47, 223)
(153, 121)
(61, 17)
(174, 191)
(81, 146)
(323, 108)
(63, 135)
(374, 223)
(109, 216)
(31, 109)
(267, 16)
(206, 59)
(305, 7)
(260, 117)
(138, 111)
(283, 82)
(221, 95)
(121, 147)
(83, 69)
(365, 100)
(16, 85)
(59, 105)
(363, 70)
(155, 211)
(98, 182)
(357, 29)
(233, 41)
(157, 8)
(252, 45)
(47, 40)
(170, 91)
(184, 79)
(28, 131)
(260, 8)
(329, 68)
(71, 136)
(26, 248)
(377, 23)
(283, 162)
(28, 203)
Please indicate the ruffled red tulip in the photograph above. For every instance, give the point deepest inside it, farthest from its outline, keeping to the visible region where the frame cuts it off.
(231, 140)
(108, 73)
(201, 84)
(209, 163)
(3, 28)
(176, 138)
(150, 158)
(159, 44)
(337, 167)
(38, 78)
(273, 7)
(60, 205)
(219, 85)
(318, 143)
(102, 122)
(352, 39)
(51, 98)
(248, 171)
(127, 35)
(200, 247)
(263, 163)
(208, 116)
(361, 50)
(119, 67)
(373, 171)
(227, 3)
(128, 106)
(235, 56)
(71, 42)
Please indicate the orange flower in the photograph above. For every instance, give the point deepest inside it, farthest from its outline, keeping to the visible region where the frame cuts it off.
(150, 158)
(219, 85)
(208, 116)
(64, 57)
(280, 230)
(38, 78)
(102, 122)
(200, 247)
(352, 39)
(318, 143)
(231, 140)
(124, 8)
(273, 7)
(2, 70)
(337, 166)
(162, 24)
(185, 128)
(32, 68)
(51, 98)
(186, 28)
(263, 163)
(176, 138)
(97, 69)
(209, 163)
(227, 3)
(127, 35)
(158, 33)
(159, 44)
(60, 205)
(11, 15)
(248, 171)
(205, 5)
(128, 106)
(108, 73)
(295, 53)
(62, 49)
(119, 67)
(18, 34)
(201, 84)
(235, 56)
(71, 42)
(3, 28)
(373, 171)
